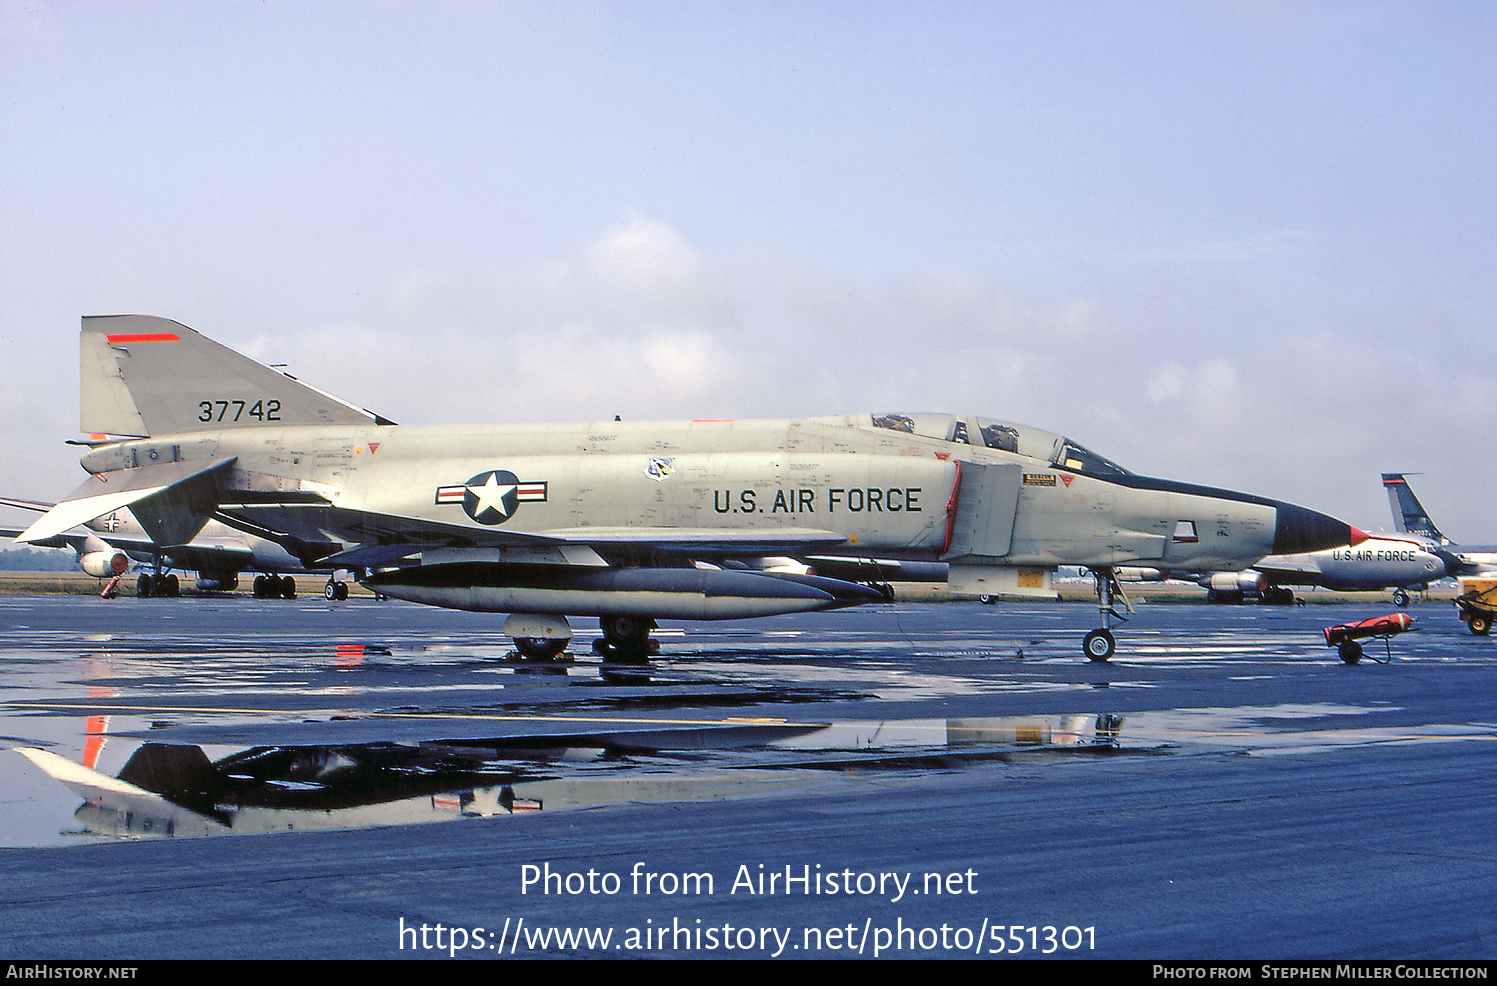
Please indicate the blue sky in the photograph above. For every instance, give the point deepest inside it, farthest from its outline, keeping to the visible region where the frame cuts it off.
(1245, 244)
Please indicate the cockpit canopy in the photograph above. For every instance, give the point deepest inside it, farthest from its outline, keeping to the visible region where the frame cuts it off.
(1058, 450)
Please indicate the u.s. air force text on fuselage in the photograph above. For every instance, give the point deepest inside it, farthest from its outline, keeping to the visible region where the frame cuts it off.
(801, 500)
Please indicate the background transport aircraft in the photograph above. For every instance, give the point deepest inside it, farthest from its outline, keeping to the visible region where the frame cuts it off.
(1409, 516)
(219, 554)
(627, 521)
(1381, 562)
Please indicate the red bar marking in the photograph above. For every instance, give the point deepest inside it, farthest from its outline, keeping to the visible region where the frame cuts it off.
(956, 490)
(145, 337)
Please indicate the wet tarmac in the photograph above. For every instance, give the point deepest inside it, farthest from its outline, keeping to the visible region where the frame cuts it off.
(901, 781)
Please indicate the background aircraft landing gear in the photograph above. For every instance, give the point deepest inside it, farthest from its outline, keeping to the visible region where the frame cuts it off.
(626, 638)
(274, 587)
(1400, 598)
(334, 591)
(148, 585)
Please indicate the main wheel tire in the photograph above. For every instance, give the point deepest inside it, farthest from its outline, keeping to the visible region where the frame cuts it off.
(144, 585)
(342, 592)
(627, 631)
(1480, 625)
(987, 600)
(171, 588)
(1099, 646)
(540, 648)
(330, 591)
(1350, 651)
(288, 587)
(1400, 598)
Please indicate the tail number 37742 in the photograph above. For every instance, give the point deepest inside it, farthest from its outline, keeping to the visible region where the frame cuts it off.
(219, 410)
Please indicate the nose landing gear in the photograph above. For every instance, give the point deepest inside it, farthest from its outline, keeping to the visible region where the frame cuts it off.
(1099, 645)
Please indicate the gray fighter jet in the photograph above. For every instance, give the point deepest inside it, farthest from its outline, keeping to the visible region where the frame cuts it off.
(627, 521)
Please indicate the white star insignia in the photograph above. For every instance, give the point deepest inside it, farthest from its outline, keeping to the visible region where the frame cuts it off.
(491, 496)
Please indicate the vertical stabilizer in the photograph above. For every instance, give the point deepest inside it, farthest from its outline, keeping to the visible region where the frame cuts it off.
(142, 375)
(1409, 516)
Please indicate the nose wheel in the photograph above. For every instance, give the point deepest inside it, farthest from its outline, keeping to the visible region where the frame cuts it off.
(1099, 645)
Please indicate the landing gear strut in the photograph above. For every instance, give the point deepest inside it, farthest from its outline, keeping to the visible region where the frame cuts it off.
(1099, 645)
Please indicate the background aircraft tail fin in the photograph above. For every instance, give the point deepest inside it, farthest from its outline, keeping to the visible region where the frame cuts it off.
(1409, 516)
(141, 375)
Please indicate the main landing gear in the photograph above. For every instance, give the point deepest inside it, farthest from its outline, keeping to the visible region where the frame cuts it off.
(159, 582)
(626, 638)
(148, 585)
(274, 587)
(335, 591)
(1099, 645)
(538, 636)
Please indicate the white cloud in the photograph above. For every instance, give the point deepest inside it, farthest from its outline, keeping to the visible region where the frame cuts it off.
(643, 255)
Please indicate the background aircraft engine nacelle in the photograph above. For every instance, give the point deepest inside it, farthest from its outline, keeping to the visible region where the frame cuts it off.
(1244, 582)
(104, 564)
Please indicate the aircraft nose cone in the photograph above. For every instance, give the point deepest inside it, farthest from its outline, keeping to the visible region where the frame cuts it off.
(1300, 531)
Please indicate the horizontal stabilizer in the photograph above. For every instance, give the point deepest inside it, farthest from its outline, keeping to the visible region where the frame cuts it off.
(192, 483)
(81, 779)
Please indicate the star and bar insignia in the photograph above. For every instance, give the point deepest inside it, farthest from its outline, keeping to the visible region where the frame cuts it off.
(492, 497)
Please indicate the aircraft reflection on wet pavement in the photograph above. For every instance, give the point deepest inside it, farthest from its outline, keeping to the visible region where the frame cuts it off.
(176, 791)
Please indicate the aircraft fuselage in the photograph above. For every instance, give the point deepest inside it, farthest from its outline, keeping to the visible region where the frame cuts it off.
(844, 485)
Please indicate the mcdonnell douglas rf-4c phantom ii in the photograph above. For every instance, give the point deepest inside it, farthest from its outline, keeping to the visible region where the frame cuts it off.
(627, 521)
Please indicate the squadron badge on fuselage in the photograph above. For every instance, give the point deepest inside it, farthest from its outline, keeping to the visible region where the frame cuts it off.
(492, 497)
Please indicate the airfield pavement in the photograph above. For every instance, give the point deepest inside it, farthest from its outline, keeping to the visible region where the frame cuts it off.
(922, 781)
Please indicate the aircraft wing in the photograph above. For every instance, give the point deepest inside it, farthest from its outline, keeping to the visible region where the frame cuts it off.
(200, 557)
(369, 539)
(1305, 564)
(372, 538)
